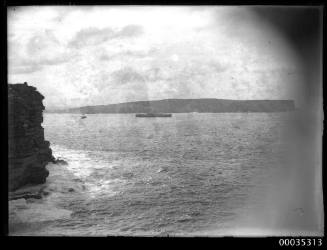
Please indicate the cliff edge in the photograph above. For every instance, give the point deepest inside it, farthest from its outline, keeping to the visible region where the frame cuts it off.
(28, 151)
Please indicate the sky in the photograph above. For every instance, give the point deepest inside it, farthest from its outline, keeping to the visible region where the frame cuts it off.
(97, 55)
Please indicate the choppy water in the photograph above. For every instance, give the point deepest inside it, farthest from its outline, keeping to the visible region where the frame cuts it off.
(192, 174)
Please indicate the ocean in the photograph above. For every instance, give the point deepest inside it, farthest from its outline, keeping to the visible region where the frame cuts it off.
(192, 174)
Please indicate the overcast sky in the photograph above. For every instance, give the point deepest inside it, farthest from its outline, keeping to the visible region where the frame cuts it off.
(78, 56)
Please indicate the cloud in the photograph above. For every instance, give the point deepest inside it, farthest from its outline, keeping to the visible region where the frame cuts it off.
(91, 36)
(39, 50)
(44, 61)
(218, 67)
(128, 53)
(105, 57)
(61, 14)
(107, 52)
(127, 75)
(53, 61)
(94, 36)
(130, 31)
(39, 44)
(26, 69)
(189, 71)
(26, 66)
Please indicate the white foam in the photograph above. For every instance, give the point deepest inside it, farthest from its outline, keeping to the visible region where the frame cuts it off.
(64, 183)
(17, 204)
(79, 175)
(79, 161)
(103, 187)
(22, 211)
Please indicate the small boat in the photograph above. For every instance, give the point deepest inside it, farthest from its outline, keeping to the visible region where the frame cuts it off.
(153, 115)
(83, 116)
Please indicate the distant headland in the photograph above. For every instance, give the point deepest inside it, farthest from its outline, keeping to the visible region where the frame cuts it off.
(185, 106)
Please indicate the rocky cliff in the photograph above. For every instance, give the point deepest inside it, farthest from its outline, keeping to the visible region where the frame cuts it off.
(28, 152)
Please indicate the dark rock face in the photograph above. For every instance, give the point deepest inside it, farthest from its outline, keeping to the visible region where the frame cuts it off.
(28, 152)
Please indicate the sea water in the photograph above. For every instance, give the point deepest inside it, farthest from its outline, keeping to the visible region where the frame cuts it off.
(191, 174)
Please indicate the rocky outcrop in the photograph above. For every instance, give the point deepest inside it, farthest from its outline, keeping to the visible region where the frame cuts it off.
(28, 151)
